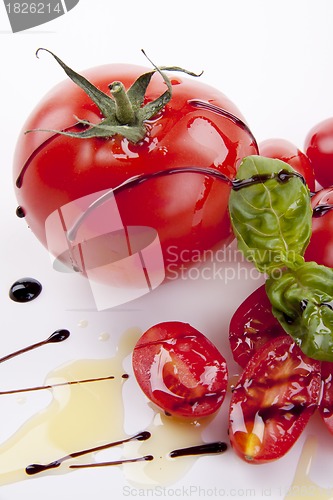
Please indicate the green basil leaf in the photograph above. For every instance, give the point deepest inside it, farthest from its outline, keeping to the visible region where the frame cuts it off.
(272, 222)
(302, 301)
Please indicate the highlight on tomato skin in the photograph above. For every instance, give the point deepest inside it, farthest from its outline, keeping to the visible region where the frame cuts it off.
(252, 325)
(180, 370)
(273, 401)
(326, 400)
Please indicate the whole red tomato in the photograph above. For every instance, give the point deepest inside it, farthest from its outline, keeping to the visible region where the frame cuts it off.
(289, 153)
(197, 128)
(319, 149)
(320, 248)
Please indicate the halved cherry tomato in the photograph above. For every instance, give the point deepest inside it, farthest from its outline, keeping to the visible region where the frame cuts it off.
(252, 325)
(180, 370)
(326, 401)
(319, 149)
(320, 248)
(289, 153)
(273, 401)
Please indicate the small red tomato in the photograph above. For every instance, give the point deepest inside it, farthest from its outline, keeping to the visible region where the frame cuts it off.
(319, 149)
(273, 401)
(320, 248)
(252, 325)
(326, 401)
(180, 370)
(289, 153)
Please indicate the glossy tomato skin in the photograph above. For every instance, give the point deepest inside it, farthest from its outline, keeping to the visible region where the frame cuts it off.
(188, 210)
(252, 325)
(273, 401)
(320, 248)
(286, 151)
(180, 370)
(326, 401)
(319, 149)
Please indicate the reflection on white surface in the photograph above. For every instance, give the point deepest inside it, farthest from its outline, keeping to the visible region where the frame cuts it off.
(121, 263)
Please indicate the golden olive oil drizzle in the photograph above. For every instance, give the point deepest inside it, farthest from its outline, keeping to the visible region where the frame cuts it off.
(302, 485)
(90, 414)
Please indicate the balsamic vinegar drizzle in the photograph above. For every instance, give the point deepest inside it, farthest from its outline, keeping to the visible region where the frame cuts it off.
(236, 184)
(197, 103)
(20, 212)
(55, 337)
(37, 468)
(321, 210)
(201, 449)
(25, 290)
(140, 179)
(282, 176)
(19, 179)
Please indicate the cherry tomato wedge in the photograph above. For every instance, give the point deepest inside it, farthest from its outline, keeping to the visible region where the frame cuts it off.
(326, 401)
(289, 153)
(273, 401)
(252, 325)
(180, 370)
(320, 248)
(319, 149)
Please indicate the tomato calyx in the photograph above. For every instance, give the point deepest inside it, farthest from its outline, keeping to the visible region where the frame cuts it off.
(123, 112)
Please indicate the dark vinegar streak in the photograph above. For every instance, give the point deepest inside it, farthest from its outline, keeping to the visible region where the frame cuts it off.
(197, 103)
(282, 177)
(40, 148)
(140, 179)
(55, 337)
(321, 210)
(37, 468)
(201, 449)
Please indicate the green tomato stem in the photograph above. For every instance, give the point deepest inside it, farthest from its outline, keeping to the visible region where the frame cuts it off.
(124, 110)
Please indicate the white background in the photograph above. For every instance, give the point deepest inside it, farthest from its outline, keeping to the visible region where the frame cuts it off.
(274, 60)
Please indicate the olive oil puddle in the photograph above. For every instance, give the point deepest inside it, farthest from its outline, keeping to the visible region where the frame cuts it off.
(302, 485)
(86, 416)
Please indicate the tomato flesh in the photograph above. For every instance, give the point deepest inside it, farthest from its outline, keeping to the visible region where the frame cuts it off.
(273, 401)
(180, 370)
(252, 325)
(326, 401)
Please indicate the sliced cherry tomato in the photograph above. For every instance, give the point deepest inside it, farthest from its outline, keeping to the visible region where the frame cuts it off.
(326, 401)
(180, 370)
(289, 153)
(273, 401)
(319, 149)
(198, 128)
(252, 325)
(320, 248)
